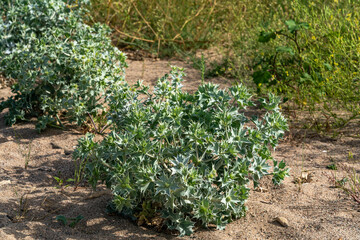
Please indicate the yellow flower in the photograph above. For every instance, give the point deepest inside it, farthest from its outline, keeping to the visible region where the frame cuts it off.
(336, 1)
(287, 73)
(332, 55)
(313, 38)
(259, 84)
(304, 102)
(348, 16)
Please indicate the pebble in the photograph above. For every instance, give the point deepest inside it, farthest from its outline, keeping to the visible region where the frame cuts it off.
(45, 169)
(282, 221)
(5, 182)
(67, 152)
(55, 146)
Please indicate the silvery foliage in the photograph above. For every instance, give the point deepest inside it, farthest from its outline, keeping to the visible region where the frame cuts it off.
(184, 157)
(62, 66)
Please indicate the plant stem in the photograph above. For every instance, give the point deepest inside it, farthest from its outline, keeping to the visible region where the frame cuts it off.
(58, 119)
(92, 120)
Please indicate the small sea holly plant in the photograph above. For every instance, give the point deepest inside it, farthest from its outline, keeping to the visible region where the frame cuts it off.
(183, 158)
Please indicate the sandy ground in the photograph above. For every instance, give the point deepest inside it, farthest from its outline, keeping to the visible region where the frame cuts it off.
(30, 198)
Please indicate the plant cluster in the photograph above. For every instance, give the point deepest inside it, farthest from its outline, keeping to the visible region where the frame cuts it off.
(184, 158)
(273, 68)
(63, 67)
(314, 61)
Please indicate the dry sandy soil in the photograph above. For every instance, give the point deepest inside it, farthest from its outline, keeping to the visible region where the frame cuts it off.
(30, 199)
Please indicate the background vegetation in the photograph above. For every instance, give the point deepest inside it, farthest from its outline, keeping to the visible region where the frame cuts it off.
(316, 67)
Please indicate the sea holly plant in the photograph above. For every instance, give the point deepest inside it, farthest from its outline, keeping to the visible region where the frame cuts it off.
(63, 67)
(184, 158)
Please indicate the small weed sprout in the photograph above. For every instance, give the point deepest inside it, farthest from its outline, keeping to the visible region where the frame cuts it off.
(25, 151)
(71, 222)
(350, 183)
(23, 206)
(61, 182)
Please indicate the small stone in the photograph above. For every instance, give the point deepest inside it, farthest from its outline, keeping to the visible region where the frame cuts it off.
(260, 189)
(45, 169)
(282, 221)
(55, 146)
(5, 182)
(67, 152)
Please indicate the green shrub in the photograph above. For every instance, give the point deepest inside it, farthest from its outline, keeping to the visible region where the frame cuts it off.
(63, 67)
(314, 61)
(181, 157)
